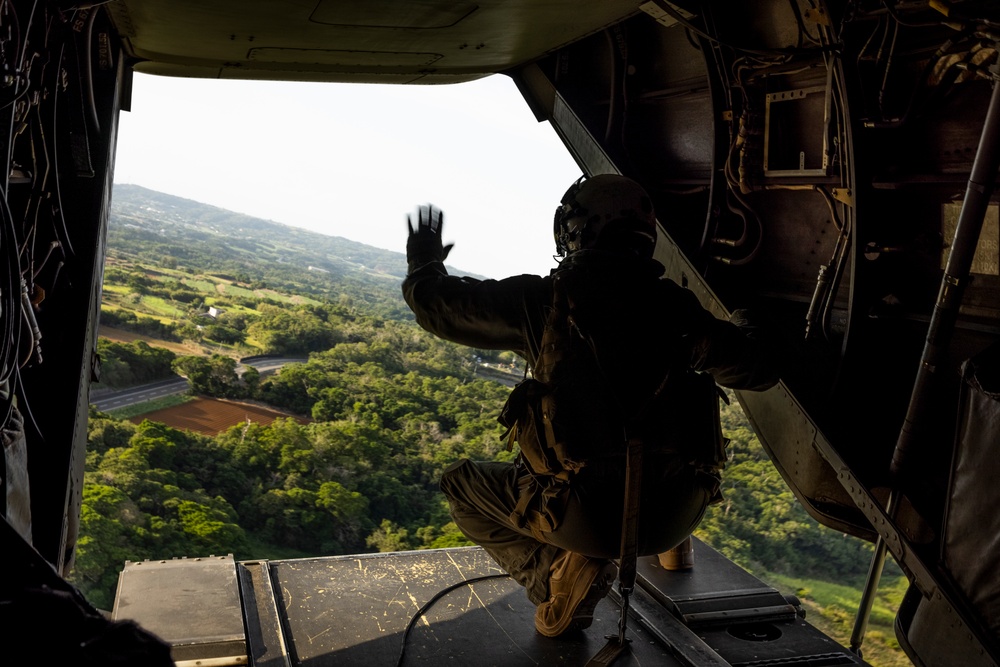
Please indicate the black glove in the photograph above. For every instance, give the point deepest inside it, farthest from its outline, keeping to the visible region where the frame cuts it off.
(424, 243)
(772, 353)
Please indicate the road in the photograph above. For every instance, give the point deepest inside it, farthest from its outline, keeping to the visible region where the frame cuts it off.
(147, 392)
(140, 394)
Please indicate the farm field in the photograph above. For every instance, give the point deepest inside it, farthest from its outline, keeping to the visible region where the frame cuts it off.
(211, 415)
(122, 336)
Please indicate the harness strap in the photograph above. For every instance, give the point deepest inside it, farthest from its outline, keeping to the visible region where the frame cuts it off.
(608, 654)
(518, 516)
(618, 644)
(534, 505)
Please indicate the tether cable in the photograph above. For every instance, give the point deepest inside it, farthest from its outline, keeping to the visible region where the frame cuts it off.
(430, 603)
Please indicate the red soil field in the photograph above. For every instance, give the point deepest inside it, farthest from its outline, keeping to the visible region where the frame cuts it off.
(211, 416)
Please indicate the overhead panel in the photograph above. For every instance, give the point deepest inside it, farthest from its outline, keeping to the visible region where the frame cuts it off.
(344, 58)
(427, 41)
(390, 14)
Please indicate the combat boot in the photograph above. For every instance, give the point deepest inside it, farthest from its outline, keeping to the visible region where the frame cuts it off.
(576, 584)
(680, 557)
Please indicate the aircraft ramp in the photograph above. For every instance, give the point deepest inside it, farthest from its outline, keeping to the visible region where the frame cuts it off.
(355, 610)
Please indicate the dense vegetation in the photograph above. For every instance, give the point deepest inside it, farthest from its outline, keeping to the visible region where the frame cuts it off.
(367, 482)
(363, 478)
(392, 407)
(128, 364)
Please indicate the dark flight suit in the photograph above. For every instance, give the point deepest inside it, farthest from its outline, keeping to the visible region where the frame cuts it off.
(644, 325)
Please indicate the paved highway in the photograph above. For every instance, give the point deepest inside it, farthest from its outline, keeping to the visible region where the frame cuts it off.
(147, 392)
(140, 394)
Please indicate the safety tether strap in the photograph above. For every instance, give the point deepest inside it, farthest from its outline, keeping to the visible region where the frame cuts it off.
(618, 644)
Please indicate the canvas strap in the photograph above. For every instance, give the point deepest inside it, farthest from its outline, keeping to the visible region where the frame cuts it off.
(618, 644)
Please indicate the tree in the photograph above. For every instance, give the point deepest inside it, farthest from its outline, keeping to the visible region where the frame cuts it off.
(299, 332)
(251, 382)
(105, 433)
(348, 508)
(108, 536)
(210, 526)
(224, 334)
(388, 537)
(760, 524)
(212, 376)
(128, 364)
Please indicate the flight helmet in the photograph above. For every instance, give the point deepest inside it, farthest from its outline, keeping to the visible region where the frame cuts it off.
(605, 211)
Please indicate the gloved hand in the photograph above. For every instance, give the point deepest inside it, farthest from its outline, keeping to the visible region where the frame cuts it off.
(747, 321)
(772, 354)
(424, 243)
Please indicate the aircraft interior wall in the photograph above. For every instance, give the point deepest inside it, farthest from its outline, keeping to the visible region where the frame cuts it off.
(59, 114)
(810, 162)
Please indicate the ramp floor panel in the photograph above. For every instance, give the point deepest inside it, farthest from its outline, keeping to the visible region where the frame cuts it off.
(353, 610)
(741, 618)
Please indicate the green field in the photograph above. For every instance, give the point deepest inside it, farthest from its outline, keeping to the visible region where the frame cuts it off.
(200, 285)
(158, 306)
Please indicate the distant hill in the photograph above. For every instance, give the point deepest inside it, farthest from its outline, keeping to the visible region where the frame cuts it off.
(163, 230)
(183, 220)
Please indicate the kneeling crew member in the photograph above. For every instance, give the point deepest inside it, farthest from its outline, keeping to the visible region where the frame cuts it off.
(556, 534)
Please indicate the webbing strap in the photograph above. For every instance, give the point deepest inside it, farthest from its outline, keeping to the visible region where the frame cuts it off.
(618, 644)
(630, 519)
(609, 653)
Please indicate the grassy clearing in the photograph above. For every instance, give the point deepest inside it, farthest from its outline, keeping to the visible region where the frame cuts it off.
(160, 306)
(296, 299)
(200, 285)
(119, 290)
(230, 307)
(230, 289)
(138, 409)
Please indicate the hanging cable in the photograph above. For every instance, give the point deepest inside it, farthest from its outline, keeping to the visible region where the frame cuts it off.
(890, 8)
(31, 322)
(888, 67)
(677, 16)
(88, 69)
(613, 88)
(9, 294)
(803, 31)
(437, 596)
(57, 189)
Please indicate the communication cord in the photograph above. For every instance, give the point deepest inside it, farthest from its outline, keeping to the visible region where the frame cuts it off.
(437, 596)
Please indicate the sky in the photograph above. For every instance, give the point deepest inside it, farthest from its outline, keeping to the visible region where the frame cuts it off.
(352, 160)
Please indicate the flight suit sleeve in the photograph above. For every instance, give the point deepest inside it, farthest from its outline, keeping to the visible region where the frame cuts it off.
(737, 358)
(488, 314)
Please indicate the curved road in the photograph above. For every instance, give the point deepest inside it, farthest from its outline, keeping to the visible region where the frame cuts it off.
(147, 392)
